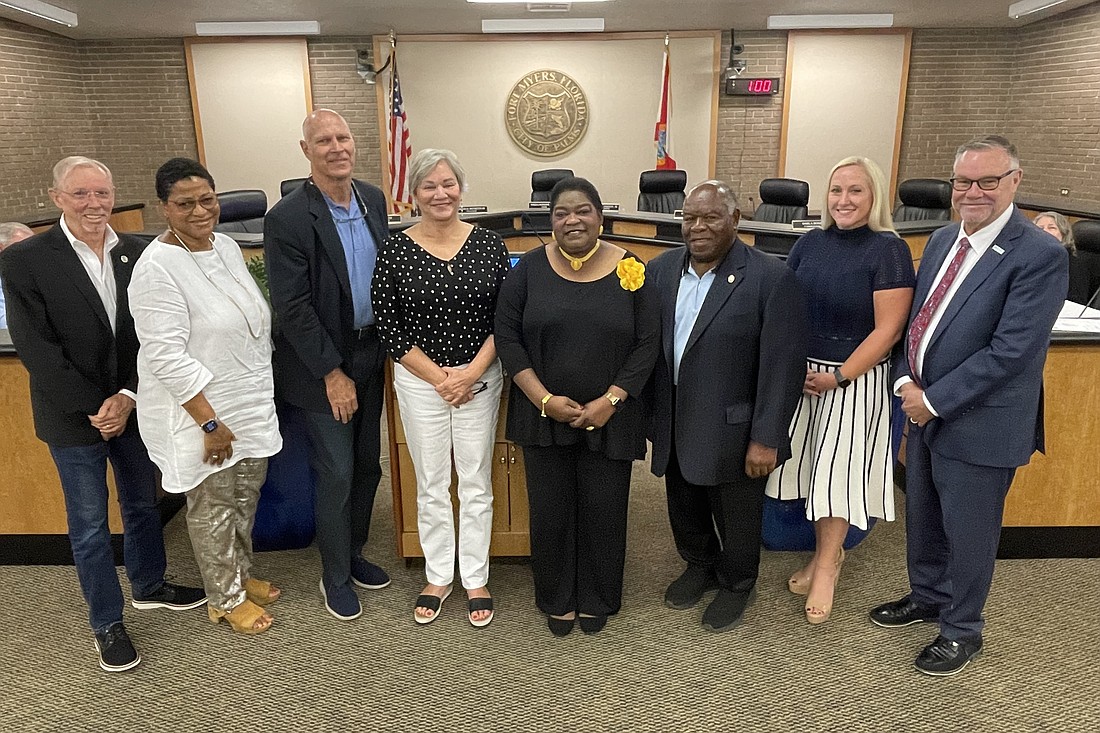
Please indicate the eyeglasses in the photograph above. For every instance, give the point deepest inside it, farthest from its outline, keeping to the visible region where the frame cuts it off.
(83, 194)
(989, 183)
(480, 387)
(208, 202)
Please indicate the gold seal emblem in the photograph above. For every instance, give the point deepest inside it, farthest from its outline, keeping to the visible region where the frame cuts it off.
(546, 113)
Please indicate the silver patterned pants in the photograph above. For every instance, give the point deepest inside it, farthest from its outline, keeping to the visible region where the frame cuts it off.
(220, 514)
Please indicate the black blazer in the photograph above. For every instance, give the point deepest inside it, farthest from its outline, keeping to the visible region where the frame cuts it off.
(742, 372)
(61, 332)
(310, 290)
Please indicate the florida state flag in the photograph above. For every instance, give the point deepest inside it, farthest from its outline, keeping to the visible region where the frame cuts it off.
(660, 133)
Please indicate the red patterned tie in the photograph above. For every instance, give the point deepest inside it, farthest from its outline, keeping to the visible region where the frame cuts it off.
(924, 315)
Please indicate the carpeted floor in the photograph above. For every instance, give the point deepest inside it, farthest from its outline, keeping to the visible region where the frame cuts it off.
(652, 669)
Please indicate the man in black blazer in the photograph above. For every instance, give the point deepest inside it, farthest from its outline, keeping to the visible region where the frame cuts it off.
(69, 319)
(734, 335)
(320, 243)
(971, 384)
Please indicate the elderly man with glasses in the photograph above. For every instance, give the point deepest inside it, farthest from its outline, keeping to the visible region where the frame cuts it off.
(971, 383)
(69, 319)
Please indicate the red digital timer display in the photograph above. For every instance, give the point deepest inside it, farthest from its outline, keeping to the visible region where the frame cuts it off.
(752, 87)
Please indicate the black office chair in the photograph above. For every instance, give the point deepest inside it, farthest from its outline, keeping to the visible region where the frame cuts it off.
(290, 184)
(782, 200)
(1084, 267)
(242, 211)
(924, 199)
(661, 191)
(542, 182)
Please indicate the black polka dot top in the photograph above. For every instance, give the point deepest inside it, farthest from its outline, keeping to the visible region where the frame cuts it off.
(445, 307)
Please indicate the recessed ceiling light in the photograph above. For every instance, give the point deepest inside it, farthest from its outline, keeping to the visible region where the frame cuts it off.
(42, 10)
(260, 28)
(1027, 7)
(543, 25)
(854, 20)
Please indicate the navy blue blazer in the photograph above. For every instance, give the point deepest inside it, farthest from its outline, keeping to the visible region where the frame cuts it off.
(307, 274)
(983, 368)
(61, 331)
(742, 372)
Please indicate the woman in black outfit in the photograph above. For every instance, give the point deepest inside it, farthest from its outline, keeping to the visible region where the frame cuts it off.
(577, 328)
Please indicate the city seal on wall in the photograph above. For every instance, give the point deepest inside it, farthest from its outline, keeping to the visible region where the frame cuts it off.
(546, 113)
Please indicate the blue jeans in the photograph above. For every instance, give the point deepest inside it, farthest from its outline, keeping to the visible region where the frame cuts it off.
(83, 473)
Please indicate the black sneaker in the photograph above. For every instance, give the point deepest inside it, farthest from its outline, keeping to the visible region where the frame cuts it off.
(175, 597)
(366, 574)
(116, 651)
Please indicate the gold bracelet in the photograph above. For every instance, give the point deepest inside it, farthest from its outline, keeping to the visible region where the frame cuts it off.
(545, 399)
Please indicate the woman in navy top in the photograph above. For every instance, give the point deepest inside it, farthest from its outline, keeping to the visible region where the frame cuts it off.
(858, 278)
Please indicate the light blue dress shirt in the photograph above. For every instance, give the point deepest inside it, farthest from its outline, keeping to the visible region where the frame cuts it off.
(689, 300)
(360, 252)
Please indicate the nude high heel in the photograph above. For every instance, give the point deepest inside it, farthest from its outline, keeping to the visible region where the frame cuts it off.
(817, 614)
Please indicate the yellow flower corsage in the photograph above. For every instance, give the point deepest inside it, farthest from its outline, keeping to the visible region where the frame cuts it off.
(631, 274)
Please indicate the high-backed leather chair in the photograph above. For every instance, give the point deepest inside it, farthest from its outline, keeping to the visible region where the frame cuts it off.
(289, 185)
(924, 199)
(782, 200)
(242, 211)
(661, 191)
(542, 182)
(1084, 267)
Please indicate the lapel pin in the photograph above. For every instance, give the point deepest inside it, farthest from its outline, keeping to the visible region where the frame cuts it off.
(124, 259)
(998, 250)
(730, 279)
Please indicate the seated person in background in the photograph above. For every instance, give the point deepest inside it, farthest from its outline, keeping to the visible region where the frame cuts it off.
(10, 233)
(1058, 227)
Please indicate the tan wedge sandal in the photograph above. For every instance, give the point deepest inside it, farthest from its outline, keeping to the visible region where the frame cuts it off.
(261, 592)
(241, 619)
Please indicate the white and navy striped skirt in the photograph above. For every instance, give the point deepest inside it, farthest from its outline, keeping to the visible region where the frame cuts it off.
(840, 451)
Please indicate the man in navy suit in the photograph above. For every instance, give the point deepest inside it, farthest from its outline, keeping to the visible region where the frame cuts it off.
(320, 244)
(734, 335)
(70, 322)
(971, 383)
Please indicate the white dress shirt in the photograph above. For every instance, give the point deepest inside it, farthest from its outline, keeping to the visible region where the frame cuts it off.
(980, 242)
(100, 271)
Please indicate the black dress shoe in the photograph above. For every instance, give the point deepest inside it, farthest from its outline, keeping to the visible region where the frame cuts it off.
(172, 596)
(116, 651)
(690, 587)
(944, 657)
(592, 624)
(727, 609)
(902, 613)
(559, 626)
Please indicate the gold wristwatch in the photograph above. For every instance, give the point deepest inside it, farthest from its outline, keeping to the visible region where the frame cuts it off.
(545, 399)
(615, 401)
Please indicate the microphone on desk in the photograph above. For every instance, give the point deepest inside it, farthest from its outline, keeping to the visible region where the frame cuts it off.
(528, 227)
(1090, 302)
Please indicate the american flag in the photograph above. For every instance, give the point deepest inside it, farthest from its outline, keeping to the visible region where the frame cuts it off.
(400, 149)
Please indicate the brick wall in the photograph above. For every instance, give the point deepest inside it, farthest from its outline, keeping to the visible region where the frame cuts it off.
(42, 115)
(749, 128)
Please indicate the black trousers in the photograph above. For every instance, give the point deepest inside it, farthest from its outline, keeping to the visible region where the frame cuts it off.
(345, 461)
(578, 502)
(717, 527)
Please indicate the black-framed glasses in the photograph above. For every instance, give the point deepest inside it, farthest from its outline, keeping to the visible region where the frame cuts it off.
(989, 183)
(480, 387)
(208, 202)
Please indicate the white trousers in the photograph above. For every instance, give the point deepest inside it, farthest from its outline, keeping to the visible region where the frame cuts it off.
(434, 431)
